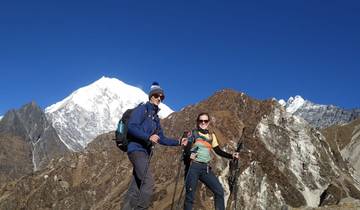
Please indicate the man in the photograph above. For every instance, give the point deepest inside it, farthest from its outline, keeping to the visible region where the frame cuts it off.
(144, 131)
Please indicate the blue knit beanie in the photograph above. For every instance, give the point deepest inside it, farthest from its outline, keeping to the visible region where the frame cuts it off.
(156, 89)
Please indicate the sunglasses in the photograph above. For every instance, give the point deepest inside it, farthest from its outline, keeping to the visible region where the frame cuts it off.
(159, 96)
(203, 121)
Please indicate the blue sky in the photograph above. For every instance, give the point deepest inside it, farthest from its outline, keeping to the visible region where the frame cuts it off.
(192, 48)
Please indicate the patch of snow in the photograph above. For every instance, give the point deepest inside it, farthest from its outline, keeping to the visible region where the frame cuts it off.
(282, 102)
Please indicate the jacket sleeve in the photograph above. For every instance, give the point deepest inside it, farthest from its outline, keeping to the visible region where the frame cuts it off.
(134, 124)
(222, 153)
(166, 141)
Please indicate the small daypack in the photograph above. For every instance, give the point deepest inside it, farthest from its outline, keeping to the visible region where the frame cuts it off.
(121, 133)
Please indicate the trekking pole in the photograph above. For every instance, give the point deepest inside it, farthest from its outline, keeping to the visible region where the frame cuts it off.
(185, 134)
(235, 170)
(235, 188)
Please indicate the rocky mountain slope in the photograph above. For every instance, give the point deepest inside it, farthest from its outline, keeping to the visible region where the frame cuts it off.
(347, 141)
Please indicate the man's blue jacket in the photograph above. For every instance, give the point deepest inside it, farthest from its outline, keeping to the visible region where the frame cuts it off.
(143, 123)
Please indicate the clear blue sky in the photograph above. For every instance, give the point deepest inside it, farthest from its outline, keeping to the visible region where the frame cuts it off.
(193, 48)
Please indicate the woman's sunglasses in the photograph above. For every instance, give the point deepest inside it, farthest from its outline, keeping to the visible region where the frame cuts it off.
(203, 121)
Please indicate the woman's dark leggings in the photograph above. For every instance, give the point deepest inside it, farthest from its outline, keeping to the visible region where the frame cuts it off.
(202, 172)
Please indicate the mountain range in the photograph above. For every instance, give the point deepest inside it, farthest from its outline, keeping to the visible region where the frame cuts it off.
(319, 116)
(285, 163)
(68, 160)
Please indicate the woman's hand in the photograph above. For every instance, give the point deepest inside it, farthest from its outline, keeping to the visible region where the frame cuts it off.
(183, 142)
(193, 155)
(235, 155)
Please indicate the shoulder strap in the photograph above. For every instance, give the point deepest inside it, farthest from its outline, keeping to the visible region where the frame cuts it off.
(195, 134)
(145, 111)
(211, 133)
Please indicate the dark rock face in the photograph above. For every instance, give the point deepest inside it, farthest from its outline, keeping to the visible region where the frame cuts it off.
(285, 163)
(35, 139)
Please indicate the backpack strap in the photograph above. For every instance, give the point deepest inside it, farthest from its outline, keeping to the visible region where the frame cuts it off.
(144, 115)
(194, 135)
(145, 112)
(211, 133)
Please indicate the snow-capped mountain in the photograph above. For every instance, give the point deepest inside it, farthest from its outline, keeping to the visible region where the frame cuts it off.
(95, 109)
(319, 116)
(1, 117)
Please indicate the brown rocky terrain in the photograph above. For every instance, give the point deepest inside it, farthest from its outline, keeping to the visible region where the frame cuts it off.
(27, 142)
(15, 160)
(285, 163)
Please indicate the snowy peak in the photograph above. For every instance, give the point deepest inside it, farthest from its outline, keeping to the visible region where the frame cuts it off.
(319, 116)
(293, 104)
(282, 102)
(107, 88)
(95, 109)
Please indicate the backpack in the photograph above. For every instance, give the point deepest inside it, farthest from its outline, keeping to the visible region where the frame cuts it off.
(121, 133)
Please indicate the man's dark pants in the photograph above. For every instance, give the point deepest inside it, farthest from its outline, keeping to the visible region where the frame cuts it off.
(140, 161)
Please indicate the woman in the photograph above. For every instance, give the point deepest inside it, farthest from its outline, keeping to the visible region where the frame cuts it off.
(202, 141)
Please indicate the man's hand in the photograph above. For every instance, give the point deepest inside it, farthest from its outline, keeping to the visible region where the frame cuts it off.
(154, 138)
(235, 155)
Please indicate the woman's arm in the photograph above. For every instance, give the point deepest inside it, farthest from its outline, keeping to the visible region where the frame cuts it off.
(217, 149)
(222, 153)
